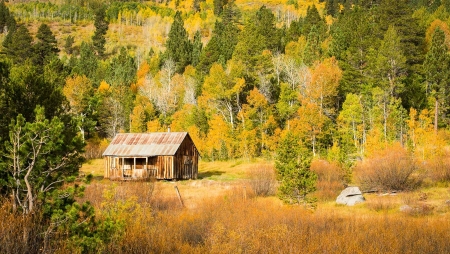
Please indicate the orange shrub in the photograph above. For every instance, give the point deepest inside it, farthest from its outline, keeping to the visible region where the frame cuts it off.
(262, 180)
(392, 168)
(438, 168)
(330, 179)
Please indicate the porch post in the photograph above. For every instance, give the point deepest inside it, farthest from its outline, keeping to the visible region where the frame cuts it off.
(134, 167)
(146, 166)
(123, 167)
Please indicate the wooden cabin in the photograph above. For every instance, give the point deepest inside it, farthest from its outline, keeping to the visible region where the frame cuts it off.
(160, 155)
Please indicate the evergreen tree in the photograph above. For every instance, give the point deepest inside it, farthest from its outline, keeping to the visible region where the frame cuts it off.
(294, 31)
(41, 155)
(218, 6)
(312, 19)
(390, 63)
(121, 70)
(436, 66)
(353, 38)
(19, 48)
(69, 44)
(87, 64)
(249, 48)
(4, 89)
(197, 47)
(265, 26)
(399, 14)
(27, 89)
(7, 21)
(332, 7)
(45, 47)
(101, 27)
(223, 41)
(312, 51)
(293, 171)
(178, 46)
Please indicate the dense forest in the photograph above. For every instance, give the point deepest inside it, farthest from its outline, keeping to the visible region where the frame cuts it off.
(343, 76)
(339, 80)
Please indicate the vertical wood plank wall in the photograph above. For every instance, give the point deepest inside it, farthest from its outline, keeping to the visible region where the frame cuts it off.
(184, 165)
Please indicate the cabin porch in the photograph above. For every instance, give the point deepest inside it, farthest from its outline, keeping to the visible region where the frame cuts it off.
(130, 168)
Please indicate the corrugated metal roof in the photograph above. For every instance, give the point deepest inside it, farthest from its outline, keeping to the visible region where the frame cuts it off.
(145, 144)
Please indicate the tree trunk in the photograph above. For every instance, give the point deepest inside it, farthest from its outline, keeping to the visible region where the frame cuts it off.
(29, 192)
(436, 113)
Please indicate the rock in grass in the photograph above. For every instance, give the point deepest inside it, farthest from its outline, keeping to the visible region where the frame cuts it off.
(350, 196)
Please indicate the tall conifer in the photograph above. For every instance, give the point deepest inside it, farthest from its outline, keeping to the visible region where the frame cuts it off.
(436, 66)
(178, 46)
(101, 27)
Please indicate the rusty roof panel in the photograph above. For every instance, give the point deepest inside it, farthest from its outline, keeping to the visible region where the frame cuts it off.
(145, 144)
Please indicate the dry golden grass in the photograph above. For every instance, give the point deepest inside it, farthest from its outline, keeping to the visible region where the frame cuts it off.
(95, 167)
(221, 216)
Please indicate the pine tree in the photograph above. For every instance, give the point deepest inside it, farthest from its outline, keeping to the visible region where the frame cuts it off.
(121, 70)
(218, 6)
(223, 41)
(40, 156)
(101, 27)
(353, 37)
(18, 48)
(197, 47)
(331, 6)
(68, 44)
(390, 63)
(45, 47)
(399, 14)
(436, 66)
(293, 171)
(313, 18)
(249, 47)
(87, 64)
(7, 21)
(178, 46)
(312, 51)
(265, 26)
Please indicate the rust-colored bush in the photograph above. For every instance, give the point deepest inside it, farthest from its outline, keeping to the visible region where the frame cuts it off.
(390, 169)
(26, 233)
(233, 224)
(330, 179)
(262, 180)
(236, 225)
(438, 168)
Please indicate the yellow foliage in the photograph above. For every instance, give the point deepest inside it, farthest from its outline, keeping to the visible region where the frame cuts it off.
(154, 126)
(75, 90)
(104, 87)
(137, 125)
(296, 49)
(249, 143)
(219, 133)
(374, 142)
(193, 24)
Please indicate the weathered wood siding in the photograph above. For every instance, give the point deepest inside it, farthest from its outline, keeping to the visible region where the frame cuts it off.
(183, 165)
(186, 160)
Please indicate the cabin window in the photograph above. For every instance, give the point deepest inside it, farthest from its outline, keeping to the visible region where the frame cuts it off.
(140, 163)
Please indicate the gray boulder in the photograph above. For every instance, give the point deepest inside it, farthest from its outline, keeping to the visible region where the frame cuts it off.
(350, 196)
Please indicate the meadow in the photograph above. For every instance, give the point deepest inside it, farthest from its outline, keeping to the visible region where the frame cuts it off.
(223, 214)
(223, 211)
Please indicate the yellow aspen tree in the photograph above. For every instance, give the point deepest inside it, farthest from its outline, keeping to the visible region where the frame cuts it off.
(219, 141)
(76, 89)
